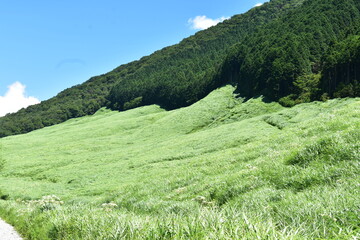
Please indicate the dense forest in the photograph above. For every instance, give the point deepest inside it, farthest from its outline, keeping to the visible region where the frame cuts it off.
(293, 59)
(80, 100)
(341, 70)
(291, 51)
(280, 60)
(184, 73)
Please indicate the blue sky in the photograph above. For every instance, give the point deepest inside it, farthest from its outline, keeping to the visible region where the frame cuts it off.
(50, 45)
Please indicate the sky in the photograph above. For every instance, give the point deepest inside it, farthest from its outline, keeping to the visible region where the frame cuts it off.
(47, 46)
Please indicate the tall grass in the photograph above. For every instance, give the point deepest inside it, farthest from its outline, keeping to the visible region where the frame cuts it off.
(219, 169)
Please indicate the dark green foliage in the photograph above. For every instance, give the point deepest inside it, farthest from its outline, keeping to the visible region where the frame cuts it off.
(276, 51)
(80, 100)
(306, 89)
(183, 74)
(284, 57)
(308, 86)
(136, 102)
(4, 196)
(341, 76)
(288, 101)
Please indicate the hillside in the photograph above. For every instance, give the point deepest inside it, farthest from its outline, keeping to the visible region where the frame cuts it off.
(269, 61)
(221, 168)
(233, 133)
(290, 51)
(193, 60)
(291, 55)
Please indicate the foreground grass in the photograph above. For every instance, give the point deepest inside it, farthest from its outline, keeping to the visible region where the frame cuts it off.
(219, 169)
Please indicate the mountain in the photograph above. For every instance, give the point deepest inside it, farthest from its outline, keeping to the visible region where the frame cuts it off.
(221, 137)
(194, 57)
(286, 50)
(275, 60)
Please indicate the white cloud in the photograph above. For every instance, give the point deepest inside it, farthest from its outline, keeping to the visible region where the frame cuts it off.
(203, 22)
(15, 99)
(258, 4)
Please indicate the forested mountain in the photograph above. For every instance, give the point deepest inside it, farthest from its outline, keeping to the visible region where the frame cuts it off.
(183, 74)
(288, 50)
(282, 58)
(272, 59)
(189, 61)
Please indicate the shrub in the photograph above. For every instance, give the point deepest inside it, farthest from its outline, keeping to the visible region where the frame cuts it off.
(136, 102)
(288, 101)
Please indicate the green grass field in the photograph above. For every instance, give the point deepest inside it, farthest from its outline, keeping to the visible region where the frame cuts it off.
(219, 169)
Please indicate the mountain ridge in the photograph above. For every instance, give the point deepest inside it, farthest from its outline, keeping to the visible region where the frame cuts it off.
(184, 73)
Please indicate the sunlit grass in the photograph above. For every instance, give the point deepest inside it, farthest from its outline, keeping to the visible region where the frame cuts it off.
(219, 169)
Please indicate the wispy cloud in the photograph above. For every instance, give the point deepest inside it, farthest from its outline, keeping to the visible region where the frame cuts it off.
(203, 22)
(15, 99)
(258, 4)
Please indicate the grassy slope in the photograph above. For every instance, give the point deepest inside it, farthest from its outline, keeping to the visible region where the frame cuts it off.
(255, 168)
